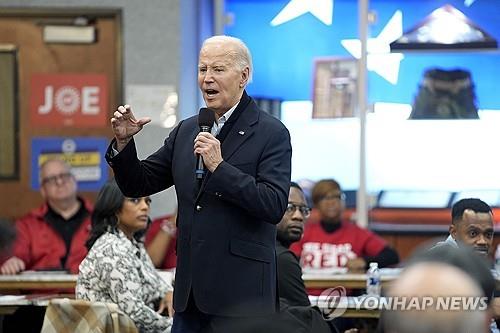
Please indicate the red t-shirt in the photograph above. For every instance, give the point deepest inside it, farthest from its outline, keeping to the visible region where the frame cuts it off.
(319, 250)
(170, 257)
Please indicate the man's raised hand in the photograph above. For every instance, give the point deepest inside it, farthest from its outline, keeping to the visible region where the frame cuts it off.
(125, 125)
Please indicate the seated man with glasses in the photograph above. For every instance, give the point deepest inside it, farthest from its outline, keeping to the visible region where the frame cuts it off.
(290, 284)
(52, 237)
(296, 313)
(335, 243)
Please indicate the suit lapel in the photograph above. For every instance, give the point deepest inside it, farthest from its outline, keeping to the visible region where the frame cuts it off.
(241, 131)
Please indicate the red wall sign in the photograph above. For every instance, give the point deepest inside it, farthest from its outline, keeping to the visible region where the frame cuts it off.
(77, 100)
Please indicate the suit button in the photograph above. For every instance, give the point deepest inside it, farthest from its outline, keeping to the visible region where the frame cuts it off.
(198, 207)
(218, 194)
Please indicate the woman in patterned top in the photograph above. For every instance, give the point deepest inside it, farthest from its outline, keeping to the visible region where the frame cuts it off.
(117, 268)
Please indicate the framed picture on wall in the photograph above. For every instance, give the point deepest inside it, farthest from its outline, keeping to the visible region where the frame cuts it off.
(9, 113)
(335, 87)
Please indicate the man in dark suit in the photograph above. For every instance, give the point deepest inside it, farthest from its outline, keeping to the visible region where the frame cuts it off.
(226, 264)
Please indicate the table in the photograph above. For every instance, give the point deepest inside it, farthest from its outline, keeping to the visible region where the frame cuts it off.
(30, 280)
(356, 280)
(10, 303)
(348, 280)
(38, 280)
(47, 280)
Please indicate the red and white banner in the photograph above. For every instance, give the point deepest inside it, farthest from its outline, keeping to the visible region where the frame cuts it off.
(75, 100)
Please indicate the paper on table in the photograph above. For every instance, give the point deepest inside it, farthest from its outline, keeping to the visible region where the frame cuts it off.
(326, 271)
(11, 298)
(390, 271)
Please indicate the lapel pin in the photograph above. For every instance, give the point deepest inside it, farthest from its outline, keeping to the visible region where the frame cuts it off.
(241, 133)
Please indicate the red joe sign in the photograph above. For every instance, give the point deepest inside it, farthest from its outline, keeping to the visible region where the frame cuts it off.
(75, 100)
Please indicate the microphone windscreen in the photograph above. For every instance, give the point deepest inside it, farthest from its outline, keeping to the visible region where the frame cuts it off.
(206, 117)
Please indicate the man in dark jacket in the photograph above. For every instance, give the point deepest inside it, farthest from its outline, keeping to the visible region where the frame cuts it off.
(290, 284)
(296, 311)
(226, 263)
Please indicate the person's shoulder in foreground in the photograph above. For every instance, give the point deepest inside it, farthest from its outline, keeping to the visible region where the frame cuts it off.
(442, 273)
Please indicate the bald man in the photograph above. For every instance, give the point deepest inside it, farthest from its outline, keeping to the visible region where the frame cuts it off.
(434, 279)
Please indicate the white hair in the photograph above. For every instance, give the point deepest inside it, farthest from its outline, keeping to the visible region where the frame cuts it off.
(242, 56)
(51, 160)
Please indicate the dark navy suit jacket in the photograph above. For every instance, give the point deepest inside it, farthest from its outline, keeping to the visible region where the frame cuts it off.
(226, 227)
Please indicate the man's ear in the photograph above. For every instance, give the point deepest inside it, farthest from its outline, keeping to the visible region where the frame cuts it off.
(245, 73)
(453, 231)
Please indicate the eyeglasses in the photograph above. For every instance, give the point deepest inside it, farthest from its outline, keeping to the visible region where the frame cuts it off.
(336, 196)
(52, 180)
(136, 201)
(304, 210)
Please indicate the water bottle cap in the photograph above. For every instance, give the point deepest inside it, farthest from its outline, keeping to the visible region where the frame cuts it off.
(374, 264)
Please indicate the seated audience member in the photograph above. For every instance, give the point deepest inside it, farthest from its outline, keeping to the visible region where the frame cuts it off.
(290, 284)
(161, 240)
(472, 225)
(117, 268)
(464, 258)
(334, 243)
(427, 280)
(52, 237)
(291, 288)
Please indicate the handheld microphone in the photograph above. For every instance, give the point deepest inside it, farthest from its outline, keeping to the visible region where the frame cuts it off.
(206, 119)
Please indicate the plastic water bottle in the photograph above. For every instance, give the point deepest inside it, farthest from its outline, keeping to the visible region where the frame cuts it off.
(373, 280)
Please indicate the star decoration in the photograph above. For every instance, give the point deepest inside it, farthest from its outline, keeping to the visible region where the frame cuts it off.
(321, 9)
(380, 59)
